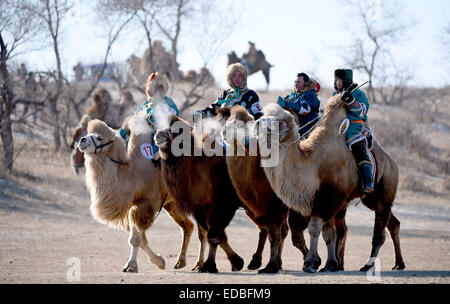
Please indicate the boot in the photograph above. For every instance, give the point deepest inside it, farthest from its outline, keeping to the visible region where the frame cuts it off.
(368, 184)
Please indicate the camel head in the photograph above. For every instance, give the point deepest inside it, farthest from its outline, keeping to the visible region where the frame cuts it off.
(165, 136)
(276, 118)
(232, 58)
(102, 140)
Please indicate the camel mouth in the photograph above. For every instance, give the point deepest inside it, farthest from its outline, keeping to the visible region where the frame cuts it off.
(83, 144)
(163, 138)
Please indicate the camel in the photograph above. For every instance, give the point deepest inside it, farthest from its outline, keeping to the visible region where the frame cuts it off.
(203, 185)
(254, 60)
(126, 188)
(103, 109)
(318, 177)
(260, 201)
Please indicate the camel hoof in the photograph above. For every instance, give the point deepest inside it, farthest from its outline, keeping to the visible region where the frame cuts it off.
(309, 269)
(159, 261)
(255, 263)
(399, 266)
(366, 267)
(197, 266)
(209, 266)
(330, 267)
(312, 265)
(237, 263)
(130, 267)
(180, 264)
(270, 268)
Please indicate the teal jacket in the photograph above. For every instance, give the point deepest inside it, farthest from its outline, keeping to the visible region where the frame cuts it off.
(150, 110)
(357, 115)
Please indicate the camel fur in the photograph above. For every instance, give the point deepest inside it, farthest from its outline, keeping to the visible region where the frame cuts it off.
(126, 188)
(319, 177)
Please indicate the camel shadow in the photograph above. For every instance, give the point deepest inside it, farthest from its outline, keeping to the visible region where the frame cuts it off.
(352, 273)
(393, 273)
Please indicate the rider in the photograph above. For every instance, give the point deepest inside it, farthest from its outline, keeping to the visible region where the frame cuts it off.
(303, 100)
(358, 135)
(237, 94)
(155, 106)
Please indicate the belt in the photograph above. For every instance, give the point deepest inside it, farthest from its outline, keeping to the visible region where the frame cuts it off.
(358, 121)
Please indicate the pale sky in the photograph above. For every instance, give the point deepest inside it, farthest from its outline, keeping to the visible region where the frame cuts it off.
(295, 36)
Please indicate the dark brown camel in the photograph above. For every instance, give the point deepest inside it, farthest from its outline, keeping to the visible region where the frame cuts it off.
(203, 186)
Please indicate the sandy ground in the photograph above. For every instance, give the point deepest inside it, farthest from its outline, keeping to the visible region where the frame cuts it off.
(45, 225)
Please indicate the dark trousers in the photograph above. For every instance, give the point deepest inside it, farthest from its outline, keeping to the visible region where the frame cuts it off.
(359, 151)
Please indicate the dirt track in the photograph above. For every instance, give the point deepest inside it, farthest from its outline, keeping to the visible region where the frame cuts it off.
(45, 221)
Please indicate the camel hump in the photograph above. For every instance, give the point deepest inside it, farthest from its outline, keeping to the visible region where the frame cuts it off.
(240, 113)
(223, 112)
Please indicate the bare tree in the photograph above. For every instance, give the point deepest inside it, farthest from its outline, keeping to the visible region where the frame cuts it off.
(381, 26)
(16, 28)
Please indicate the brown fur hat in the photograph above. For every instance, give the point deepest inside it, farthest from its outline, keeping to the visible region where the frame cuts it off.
(236, 67)
(155, 79)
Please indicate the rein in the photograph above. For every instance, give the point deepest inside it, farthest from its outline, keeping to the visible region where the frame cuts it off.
(101, 148)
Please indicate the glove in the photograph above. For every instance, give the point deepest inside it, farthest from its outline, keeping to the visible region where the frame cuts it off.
(352, 87)
(281, 102)
(347, 97)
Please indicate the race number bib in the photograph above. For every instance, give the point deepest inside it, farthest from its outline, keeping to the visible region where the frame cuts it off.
(147, 151)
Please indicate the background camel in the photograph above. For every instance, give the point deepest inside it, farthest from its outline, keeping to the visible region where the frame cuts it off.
(113, 114)
(254, 60)
(203, 185)
(319, 177)
(126, 189)
(260, 201)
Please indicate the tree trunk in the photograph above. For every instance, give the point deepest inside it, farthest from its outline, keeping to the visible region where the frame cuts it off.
(6, 106)
(6, 132)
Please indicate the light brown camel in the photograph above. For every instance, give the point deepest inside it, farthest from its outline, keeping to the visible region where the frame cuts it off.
(260, 201)
(201, 183)
(319, 177)
(126, 188)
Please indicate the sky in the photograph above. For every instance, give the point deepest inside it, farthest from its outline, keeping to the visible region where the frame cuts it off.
(296, 36)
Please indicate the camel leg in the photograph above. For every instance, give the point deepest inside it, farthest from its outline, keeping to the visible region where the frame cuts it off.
(140, 218)
(329, 236)
(256, 261)
(153, 257)
(237, 263)
(275, 240)
(284, 232)
(313, 260)
(393, 227)
(298, 224)
(186, 227)
(210, 263)
(341, 236)
(378, 238)
(134, 240)
(203, 239)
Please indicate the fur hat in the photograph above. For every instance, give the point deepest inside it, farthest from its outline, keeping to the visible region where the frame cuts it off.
(233, 68)
(346, 75)
(155, 79)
